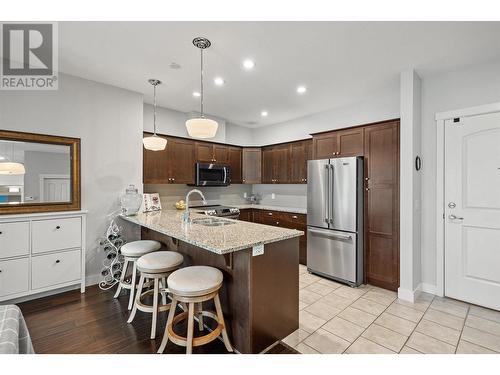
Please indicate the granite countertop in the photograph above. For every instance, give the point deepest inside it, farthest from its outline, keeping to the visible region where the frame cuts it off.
(259, 206)
(219, 239)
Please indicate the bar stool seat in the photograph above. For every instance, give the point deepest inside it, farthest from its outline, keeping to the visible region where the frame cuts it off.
(193, 286)
(136, 249)
(131, 251)
(195, 281)
(154, 267)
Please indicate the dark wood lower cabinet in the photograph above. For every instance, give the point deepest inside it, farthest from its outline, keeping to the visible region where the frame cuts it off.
(283, 220)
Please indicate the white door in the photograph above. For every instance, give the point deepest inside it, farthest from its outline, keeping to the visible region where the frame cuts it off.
(56, 190)
(472, 209)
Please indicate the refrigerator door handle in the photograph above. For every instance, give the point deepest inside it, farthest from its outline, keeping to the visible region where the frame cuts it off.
(327, 193)
(331, 235)
(330, 195)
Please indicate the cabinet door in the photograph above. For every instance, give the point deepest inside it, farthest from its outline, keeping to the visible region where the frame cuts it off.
(251, 165)
(155, 166)
(221, 154)
(350, 142)
(268, 165)
(181, 160)
(246, 215)
(382, 205)
(281, 164)
(14, 276)
(325, 146)
(298, 161)
(204, 152)
(235, 164)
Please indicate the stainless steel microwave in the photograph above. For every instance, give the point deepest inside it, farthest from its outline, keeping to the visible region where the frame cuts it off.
(212, 174)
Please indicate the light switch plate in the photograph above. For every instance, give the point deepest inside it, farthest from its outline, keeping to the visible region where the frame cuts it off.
(258, 250)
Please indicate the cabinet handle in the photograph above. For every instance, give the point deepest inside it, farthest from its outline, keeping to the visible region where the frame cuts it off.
(367, 178)
(270, 213)
(58, 227)
(295, 217)
(58, 261)
(277, 223)
(367, 189)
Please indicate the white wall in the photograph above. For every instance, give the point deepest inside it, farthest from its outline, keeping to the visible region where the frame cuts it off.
(109, 122)
(383, 105)
(410, 185)
(466, 87)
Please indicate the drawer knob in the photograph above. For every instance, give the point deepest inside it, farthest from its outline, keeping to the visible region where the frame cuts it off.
(58, 227)
(270, 213)
(277, 223)
(1, 232)
(58, 261)
(295, 216)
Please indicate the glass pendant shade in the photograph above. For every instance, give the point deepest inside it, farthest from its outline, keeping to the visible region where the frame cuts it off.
(12, 168)
(154, 143)
(201, 127)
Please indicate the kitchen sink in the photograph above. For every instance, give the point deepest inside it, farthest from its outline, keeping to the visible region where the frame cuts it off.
(211, 222)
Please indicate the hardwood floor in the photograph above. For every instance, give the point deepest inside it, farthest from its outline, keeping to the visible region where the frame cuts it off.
(95, 322)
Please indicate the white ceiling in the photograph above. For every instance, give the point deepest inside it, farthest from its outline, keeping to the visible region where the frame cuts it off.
(337, 61)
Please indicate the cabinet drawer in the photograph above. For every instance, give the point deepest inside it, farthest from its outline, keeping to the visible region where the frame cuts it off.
(273, 219)
(56, 234)
(298, 220)
(14, 276)
(14, 239)
(53, 269)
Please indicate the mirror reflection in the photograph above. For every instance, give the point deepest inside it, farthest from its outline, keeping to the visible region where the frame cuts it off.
(34, 172)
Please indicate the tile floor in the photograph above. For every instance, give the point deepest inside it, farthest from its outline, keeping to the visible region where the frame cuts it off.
(335, 318)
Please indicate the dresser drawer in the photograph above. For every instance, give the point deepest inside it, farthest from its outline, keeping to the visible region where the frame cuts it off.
(14, 276)
(14, 239)
(56, 234)
(53, 269)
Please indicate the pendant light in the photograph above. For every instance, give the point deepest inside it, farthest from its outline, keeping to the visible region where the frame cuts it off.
(11, 167)
(153, 142)
(201, 127)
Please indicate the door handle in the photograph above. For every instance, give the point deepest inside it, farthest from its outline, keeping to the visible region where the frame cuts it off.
(330, 193)
(327, 190)
(453, 217)
(332, 235)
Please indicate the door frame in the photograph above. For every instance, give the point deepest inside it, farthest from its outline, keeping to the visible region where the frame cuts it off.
(440, 118)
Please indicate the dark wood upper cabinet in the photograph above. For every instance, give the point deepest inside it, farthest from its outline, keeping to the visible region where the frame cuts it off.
(155, 166)
(325, 146)
(221, 154)
(350, 142)
(276, 164)
(300, 153)
(382, 205)
(234, 161)
(251, 165)
(181, 159)
(281, 164)
(204, 152)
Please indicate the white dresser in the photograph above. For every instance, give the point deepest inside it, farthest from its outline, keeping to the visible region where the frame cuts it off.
(41, 252)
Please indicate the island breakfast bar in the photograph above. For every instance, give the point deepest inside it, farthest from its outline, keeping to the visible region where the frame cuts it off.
(260, 293)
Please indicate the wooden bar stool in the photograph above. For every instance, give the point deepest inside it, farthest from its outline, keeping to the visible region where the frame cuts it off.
(131, 252)
(195, 285)
(155, 267)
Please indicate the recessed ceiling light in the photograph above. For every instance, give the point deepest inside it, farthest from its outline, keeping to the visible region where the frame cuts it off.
(218, 81)
(264, 113)
(248, 64)
(301, 89)
(196, 94)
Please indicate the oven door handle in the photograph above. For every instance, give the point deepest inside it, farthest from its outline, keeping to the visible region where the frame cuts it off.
(225, 174)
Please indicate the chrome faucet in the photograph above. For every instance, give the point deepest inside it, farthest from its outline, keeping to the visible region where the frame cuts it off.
(186, 216)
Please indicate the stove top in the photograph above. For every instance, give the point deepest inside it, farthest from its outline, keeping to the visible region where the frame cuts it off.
(218, 210)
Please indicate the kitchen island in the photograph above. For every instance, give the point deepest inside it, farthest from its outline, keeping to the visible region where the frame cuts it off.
(260, 294)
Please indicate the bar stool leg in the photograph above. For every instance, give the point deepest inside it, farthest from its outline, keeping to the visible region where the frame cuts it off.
(164, 292)
(122, 279)
(137, 299)
(170, 318)
(189, 346)
(220, 318)
(155, 307)
(132, 286)
(200, 315)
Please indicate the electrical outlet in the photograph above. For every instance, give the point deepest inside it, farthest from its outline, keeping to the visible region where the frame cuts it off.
(273, 196)
(245, 195)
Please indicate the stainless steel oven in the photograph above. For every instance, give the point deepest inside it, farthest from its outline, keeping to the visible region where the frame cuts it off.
(212, 174)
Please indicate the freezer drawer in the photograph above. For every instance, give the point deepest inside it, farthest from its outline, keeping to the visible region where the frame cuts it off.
(332, 253)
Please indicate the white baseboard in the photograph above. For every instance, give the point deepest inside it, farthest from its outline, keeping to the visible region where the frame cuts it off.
(427, 288)
(411, 295)
(406, 294)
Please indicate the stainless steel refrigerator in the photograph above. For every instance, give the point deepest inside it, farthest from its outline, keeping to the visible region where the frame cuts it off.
(335, 219)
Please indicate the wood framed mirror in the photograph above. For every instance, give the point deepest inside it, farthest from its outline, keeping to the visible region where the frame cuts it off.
(38, 173)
